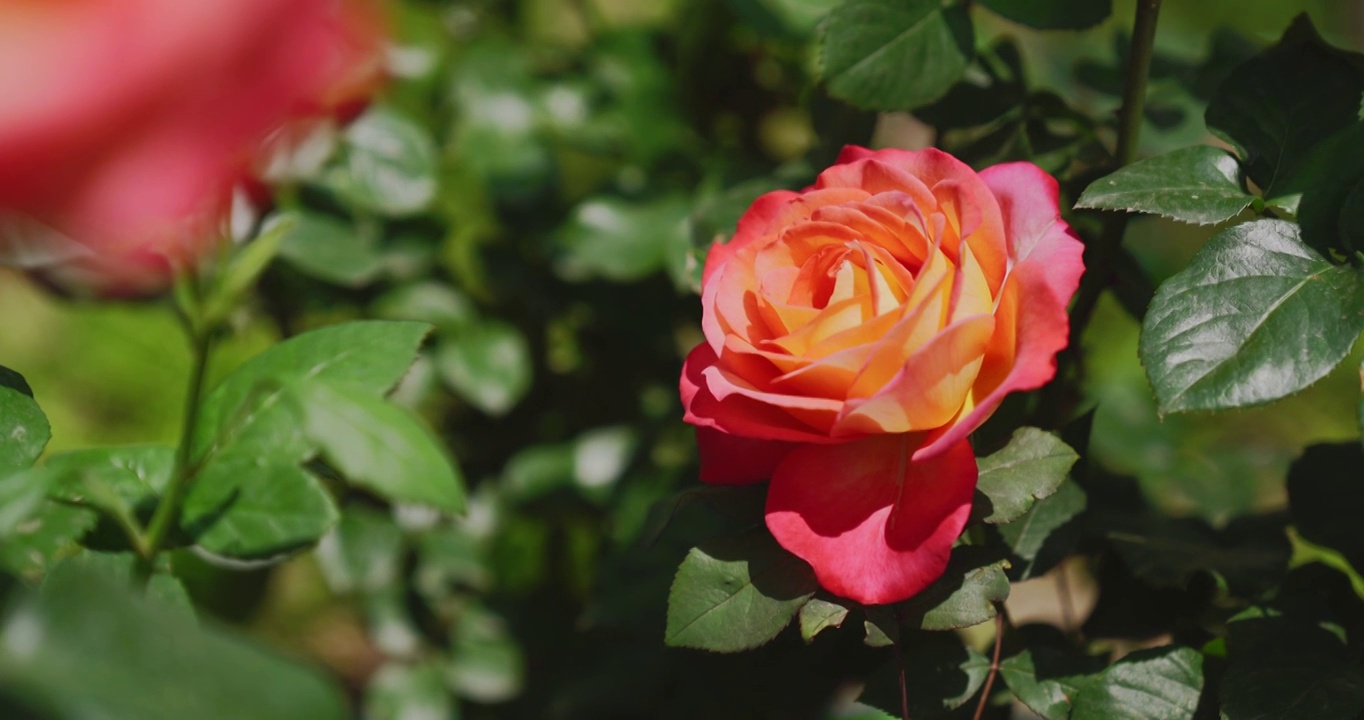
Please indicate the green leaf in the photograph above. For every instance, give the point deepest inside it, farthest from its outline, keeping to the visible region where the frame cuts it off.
(362, 553)
(275, 509)
(429, 302)
(1251, 554)
(1047, 673)
(1256, 316)
(1157, 684)
(1043, 536)
(965, 595)
(113, 480)
(894, 54)
(239, 276)
(736, 592)
(409, 692)
(22, 495)
(488, 365)
(1277, 107)
(1053, 14)
(390, 164)
(620, 241)
(244, 421)
(1199, 184)
(941, 674)
(485, 663)
(1031, 467)
(331, 250)
(1282, 669)
(23, 427)
(48, 533)
(378, 446)
(89, 648)
(1324, 499)
(450, 557)
(818, 615)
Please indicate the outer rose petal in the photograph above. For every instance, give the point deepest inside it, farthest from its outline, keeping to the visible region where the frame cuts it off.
(735, 415)
(876, 527)
(1047, 264)
(732, 460)
(752, 226)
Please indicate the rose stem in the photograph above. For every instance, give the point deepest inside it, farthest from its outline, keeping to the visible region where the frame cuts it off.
(1099, 260)
(168, 509)
(994, 662)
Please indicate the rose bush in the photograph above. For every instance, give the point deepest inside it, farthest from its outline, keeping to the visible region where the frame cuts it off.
(127, 122)
(856, 333)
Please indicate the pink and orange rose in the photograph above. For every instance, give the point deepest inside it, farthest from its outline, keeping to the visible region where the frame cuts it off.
(856, 333)
(125, 123)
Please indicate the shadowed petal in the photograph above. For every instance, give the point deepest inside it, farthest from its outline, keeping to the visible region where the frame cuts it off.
(876, 527)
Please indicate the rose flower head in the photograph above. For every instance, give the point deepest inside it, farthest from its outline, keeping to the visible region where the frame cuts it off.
(856, 333)
(126, 123)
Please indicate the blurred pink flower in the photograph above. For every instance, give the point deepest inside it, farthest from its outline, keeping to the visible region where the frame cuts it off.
(126, 123)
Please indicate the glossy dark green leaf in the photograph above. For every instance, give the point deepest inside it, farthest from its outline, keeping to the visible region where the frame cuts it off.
(1044, 535)
(1279, 106)
(1199, 184)
(965, 595)
(735, 593)
(245, 422)
(24, 428)
(274, 509)
(1324, 499)
(489, 365)
(612, 239)
(894, 54)
(1282, 669)
(331, 250)
(409, 692)
(1256, 316)
(389, 164)
(378, 446)
(1157, 684)
(941, 674)
(1053, 14)
(819, 615)
(92, 629)
(1031, 467)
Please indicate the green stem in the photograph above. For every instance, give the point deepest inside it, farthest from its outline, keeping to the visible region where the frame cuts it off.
(1099, 259)
(168, 509)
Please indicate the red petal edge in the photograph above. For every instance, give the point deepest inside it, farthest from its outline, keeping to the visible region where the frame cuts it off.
(1047, 261)
(876, 527)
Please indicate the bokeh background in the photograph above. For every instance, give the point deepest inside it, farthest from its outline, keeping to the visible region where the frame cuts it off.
(539, 179)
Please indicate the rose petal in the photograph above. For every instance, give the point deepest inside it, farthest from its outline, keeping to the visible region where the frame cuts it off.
(1047, 265)
(732, 460)
(736, 415)
(930, 389)
(875, 527)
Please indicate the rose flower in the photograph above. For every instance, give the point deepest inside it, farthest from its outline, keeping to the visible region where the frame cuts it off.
(856, 333)
(126, 123)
